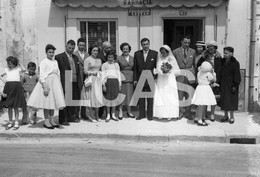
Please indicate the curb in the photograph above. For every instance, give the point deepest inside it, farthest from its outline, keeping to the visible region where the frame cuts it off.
(238, 139)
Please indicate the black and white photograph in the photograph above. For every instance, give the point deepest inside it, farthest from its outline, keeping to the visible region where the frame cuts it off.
(129, 88)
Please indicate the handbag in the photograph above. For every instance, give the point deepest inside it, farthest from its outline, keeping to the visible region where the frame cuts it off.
(88, 81)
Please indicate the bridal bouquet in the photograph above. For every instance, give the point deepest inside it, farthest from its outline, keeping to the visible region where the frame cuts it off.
(166, 67)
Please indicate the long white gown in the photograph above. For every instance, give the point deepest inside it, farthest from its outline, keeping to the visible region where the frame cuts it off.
(166, 100)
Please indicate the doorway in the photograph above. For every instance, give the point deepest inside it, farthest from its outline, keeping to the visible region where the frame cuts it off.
(175, 29)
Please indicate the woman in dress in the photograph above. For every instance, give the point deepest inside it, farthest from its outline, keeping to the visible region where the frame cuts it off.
(229, 85)
(12, 95)
(48, 93)
(111, 84)
(166, 102)
(92, 66)
(126, 64)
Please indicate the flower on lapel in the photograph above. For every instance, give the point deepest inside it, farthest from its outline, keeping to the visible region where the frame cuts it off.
(152, 59)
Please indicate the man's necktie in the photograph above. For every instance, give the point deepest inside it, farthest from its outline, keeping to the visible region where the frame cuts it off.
(185, 53)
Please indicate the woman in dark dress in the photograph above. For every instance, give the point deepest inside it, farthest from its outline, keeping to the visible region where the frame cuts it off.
(229, 84)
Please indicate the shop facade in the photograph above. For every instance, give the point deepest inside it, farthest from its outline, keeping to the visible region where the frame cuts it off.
(162, 21)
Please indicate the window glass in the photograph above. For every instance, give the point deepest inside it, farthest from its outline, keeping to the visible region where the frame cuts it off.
(96, 32)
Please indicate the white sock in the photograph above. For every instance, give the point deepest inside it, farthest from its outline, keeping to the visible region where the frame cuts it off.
(47, 123)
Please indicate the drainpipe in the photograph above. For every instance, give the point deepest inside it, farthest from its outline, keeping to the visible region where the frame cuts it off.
(65, 25)
(251, 97)
(65, 29)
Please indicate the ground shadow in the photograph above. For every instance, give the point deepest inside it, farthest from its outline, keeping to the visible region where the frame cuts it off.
(255, 117)
(164, 120)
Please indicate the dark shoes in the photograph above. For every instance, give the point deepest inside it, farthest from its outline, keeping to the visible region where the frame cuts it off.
(65, 123)
(203, 123)
(75, 120)
(45, 126)
(130, 115)
(24, 123)
(231, 120)
(150, 118)
(212, 118)
(227, 119)
(224, 119)
(140, 118)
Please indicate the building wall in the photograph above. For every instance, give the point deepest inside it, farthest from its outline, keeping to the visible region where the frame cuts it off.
(28, 25)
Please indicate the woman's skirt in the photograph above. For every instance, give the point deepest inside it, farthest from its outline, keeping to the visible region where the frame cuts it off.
(203, 95)
(93, 96)
(15, 95)
(55, 98)
(127, 89)
(112, 89)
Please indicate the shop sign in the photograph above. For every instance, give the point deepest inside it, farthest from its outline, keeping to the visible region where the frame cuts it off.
(183, 12)
(137, 3)
(139, 12)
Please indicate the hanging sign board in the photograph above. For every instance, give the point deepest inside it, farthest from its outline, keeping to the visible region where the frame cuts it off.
(139, 12)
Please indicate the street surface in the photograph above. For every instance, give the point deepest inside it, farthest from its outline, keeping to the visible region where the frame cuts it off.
(109, 158)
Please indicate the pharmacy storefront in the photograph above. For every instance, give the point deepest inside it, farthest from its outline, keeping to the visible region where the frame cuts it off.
(162, 21)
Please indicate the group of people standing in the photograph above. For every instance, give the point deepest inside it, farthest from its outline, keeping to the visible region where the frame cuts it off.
(98, 81)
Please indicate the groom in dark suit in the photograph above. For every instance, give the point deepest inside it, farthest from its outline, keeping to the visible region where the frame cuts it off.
(144, 59)
(68, 61)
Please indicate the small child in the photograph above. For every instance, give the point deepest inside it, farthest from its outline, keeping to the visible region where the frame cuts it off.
(29, 80)
(203, 94)
(112, 84)
(12, 96)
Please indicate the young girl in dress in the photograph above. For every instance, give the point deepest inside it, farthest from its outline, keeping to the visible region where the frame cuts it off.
(12, 96)
(203, 94)
(48, 94)
(111, 84)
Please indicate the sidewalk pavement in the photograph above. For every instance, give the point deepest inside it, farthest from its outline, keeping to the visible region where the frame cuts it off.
(246, 125)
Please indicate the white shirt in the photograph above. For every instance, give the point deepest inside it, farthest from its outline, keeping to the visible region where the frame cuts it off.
(13, 74)
(145, 54)
(47, 67)
(127, 58)
(82, 54)
(111, 71)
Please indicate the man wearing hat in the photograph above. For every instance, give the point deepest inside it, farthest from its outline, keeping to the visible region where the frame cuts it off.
(185, 57)
(200, 48)
(214, 57)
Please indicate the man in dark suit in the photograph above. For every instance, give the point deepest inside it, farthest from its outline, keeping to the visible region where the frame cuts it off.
(68, 61)
(106, 47)
(185, 57)
(82, 54)
(144, 59)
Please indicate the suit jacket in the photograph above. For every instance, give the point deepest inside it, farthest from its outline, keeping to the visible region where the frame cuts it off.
(102, 56)
(187, 63)
(140, 64)
(126, 67)
(63, 63)
(81, 61)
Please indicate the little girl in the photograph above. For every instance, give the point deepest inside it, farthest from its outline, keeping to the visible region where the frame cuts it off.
(48, 93)
(203, 94)
(12, 96)
(112, 84)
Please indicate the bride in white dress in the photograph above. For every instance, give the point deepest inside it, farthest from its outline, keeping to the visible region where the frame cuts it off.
(166, 100)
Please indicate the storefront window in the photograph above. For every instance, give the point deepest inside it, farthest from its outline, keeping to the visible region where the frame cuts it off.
(96, 32)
